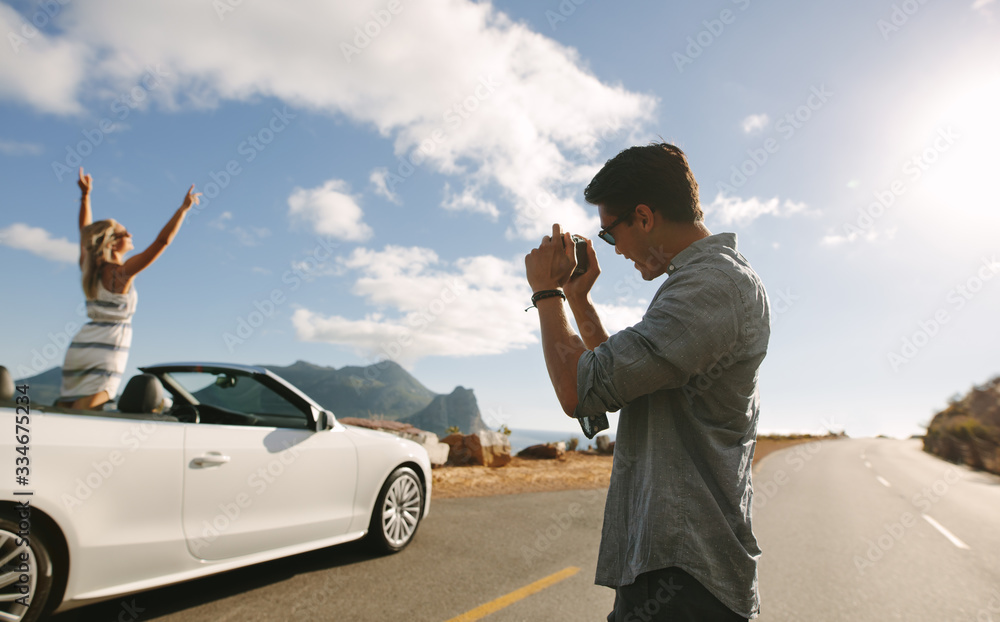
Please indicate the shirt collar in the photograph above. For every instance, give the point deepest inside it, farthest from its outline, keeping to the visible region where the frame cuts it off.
(711, 244)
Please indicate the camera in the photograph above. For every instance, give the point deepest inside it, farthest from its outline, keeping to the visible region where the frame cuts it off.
(580, 249)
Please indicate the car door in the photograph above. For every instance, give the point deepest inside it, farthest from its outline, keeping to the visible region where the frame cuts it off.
(264, 482)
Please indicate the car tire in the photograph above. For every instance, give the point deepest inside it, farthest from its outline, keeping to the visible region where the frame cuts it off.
(41, 570)
(397, 512)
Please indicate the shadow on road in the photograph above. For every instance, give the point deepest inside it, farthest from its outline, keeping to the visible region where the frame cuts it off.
(181, 596)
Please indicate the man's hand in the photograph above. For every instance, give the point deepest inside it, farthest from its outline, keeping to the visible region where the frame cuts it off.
(578, 287)
(85, 182)
(550, 265)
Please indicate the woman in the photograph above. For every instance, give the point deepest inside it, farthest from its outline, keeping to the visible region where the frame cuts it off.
(95, 361)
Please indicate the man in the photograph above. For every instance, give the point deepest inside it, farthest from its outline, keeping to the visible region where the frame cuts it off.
(677, 543)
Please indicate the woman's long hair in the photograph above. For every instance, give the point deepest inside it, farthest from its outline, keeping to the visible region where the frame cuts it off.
(98, 239)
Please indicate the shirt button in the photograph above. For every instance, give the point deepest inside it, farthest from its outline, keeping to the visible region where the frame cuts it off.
(671, 267)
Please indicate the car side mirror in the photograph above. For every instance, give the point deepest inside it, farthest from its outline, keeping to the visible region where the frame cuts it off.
(324, 421)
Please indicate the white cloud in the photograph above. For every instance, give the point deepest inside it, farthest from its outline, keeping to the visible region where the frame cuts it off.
(983, 7)
(14, 148)
(755, 123)
(428, 307)
(379, 180)
(484, 96)
(468, 200)
(619, 317)
(36, 69)
(853, 234)
(247, 236)
(39, 242)
(734, 210)
(329, 210)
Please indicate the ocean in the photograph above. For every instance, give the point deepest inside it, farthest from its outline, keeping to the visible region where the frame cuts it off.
(521, 438)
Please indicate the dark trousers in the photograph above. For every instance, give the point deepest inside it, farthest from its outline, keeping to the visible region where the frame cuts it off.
(668, 595)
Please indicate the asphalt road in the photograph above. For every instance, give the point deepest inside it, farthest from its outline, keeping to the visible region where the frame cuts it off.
(841, 523)
(467, 553)
(848, 533)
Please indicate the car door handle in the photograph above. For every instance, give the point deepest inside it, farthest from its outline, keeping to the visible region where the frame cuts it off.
(210, 459)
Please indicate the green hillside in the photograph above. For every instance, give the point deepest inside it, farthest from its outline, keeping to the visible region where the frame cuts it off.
(968, 430)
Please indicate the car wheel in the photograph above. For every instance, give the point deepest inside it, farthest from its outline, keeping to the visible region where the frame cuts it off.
(36, 572)
(397, 511)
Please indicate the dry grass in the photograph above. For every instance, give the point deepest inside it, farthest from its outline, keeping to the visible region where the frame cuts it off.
(577, 471)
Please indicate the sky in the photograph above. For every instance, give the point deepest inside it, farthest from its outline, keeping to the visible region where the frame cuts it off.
(373, 174)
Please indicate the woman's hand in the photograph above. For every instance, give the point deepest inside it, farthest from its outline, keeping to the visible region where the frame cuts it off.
(191, 198)
(85, 182)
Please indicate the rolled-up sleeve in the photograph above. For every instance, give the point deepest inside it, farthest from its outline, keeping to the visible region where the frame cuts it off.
(691, 324)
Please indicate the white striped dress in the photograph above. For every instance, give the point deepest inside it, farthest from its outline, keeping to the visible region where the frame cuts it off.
(96, 359)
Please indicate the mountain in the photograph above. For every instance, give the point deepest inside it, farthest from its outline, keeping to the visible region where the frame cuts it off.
(457, 409)
(43, 388)
(380, 391)
(968, 430)
(384, 390)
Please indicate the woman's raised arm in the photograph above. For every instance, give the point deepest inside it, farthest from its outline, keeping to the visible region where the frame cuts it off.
(143, 260)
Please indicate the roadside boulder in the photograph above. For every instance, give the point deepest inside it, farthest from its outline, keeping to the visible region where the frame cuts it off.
(436, 450)
(487, 448)
(546, 451)
(605, 445)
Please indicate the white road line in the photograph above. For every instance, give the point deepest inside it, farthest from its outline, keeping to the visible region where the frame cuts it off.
(945, 532)
(868, 464)
(883, 481)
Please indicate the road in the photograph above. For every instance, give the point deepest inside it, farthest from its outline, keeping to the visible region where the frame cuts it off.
(875, 529)
(467, 553)
(841, 523)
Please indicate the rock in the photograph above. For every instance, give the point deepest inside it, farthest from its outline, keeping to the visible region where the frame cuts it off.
(490, 449)
(436, 450)
(459, 409)
(548, 451)
(605, 445)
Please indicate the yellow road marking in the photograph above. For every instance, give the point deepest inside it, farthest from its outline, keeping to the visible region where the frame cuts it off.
(504, 601)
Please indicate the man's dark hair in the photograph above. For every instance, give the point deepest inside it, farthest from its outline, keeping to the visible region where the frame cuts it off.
(656, 174)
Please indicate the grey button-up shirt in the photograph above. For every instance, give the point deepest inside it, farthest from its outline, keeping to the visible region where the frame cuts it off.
(685, 380)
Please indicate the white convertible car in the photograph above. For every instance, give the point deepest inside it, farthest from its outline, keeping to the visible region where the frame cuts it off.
(230, 465)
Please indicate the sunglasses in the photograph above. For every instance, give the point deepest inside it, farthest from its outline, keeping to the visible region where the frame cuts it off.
(605, 233)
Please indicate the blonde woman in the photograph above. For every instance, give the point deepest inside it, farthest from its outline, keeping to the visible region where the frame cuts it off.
(95, 361)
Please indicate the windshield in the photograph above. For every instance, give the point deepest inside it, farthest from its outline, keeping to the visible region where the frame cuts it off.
(239, 392)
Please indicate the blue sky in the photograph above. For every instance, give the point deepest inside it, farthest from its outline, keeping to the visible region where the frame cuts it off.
(376, 171)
